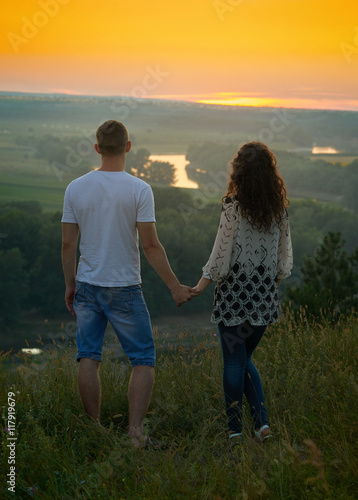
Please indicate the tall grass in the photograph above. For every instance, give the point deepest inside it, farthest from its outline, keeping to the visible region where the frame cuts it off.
(309, 373)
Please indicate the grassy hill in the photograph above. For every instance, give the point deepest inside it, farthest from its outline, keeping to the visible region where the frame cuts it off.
(309, 373)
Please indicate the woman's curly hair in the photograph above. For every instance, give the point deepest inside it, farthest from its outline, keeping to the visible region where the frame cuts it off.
(257, 185)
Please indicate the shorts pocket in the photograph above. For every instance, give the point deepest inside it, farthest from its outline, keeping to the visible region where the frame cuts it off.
(80, 295)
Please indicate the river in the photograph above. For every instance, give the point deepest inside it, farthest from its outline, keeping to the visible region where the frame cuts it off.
(180, 163)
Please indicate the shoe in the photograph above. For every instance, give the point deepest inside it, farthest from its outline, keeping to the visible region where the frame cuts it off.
(236, 438)
(260, 436)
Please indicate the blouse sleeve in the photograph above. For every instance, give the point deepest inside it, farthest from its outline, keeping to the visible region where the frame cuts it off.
(285, 255)
(218, 265)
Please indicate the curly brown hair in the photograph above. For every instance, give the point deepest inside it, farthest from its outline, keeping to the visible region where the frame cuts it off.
(257, 185)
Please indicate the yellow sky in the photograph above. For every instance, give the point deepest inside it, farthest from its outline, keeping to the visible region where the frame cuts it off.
(280, 51)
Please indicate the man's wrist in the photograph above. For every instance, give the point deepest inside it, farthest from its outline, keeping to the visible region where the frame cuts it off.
(174, 285)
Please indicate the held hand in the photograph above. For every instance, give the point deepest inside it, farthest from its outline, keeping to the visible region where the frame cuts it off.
(200, 287)
(181, 294)
(196, 291)
(69, 298)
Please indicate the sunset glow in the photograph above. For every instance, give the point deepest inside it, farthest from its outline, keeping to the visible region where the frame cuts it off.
(289, 53)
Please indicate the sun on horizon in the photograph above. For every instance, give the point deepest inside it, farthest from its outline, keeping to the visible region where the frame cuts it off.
(276, 53)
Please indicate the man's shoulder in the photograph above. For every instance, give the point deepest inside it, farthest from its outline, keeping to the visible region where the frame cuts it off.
(81, 179)
(137, 181)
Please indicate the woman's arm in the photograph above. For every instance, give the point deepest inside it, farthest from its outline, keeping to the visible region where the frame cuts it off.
(285, 254)
(218, 265)
(202, 285)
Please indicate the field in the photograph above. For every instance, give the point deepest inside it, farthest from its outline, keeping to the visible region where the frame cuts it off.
(336, 158)
(309, 377)
(309, 369)
(159, 126)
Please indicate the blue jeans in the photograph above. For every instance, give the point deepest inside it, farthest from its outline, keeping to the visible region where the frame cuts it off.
(240, 374)
(125, 309)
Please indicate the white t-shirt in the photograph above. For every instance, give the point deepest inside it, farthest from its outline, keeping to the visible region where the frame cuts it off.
(106, 207)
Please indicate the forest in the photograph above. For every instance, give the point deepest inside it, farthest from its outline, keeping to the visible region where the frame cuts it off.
(31, 243)
(47, 141)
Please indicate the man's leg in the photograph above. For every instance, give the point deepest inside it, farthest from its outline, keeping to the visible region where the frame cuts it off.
(91, 325)
(89, 386)
(128, 314)
(139, 393)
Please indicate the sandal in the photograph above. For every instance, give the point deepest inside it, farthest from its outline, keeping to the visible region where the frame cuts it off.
(260, 436)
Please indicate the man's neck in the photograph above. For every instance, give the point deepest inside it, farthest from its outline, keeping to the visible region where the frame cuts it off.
(113, 164)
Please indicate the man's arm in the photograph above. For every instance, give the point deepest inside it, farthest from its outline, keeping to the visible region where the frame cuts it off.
(157, 258)
(69, 248)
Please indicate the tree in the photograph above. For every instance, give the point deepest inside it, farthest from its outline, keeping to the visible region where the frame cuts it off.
(46, 276)
(330, 279)
(137, 162)
(14, 288)
(161, 172)
(157, 172)
(350, 198)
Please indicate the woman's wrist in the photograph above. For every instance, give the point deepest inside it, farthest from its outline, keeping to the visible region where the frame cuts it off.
(203, 284)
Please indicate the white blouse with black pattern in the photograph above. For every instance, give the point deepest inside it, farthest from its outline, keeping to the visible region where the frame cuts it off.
(246, 263)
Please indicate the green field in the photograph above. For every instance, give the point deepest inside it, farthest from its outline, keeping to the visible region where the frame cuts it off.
(162, 127)
(308, 373)
(342, 159)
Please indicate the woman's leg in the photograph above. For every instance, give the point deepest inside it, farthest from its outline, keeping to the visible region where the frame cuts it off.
(240, 374)
(253, 388)
(234, 354)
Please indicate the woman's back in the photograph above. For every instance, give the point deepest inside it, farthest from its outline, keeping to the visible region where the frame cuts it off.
(246, 262)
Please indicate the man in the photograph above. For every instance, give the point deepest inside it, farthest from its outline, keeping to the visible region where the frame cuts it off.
(110, 208)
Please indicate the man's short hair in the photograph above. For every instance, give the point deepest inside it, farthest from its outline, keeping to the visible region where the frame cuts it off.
(112, 138)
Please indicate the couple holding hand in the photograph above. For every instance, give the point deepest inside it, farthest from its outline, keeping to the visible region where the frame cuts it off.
(252, 253)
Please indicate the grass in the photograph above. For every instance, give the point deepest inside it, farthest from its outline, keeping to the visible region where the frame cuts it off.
(309, 373)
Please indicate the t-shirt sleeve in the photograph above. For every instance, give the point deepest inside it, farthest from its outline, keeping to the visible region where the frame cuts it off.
(145, 210)
(68, 213)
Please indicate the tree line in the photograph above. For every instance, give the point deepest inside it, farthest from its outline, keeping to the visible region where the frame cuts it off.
(76, 155)
(32, 279)
(302, 176)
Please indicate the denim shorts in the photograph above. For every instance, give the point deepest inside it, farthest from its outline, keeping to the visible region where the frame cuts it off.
(125, 309)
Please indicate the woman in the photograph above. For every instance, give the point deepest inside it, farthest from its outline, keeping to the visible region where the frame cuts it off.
(252, 253)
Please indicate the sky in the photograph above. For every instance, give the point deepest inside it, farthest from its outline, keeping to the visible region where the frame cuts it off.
(282, 53)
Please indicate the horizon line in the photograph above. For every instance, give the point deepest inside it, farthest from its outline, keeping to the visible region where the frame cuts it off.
(202, 101)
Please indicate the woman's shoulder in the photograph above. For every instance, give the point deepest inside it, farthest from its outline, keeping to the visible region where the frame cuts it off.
(230, 208)
(229, 201)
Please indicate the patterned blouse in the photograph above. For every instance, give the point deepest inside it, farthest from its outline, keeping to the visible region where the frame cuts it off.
(246, 263)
